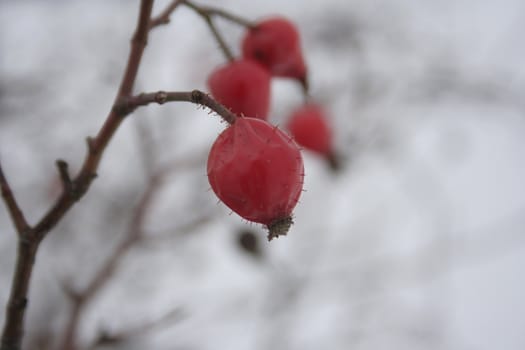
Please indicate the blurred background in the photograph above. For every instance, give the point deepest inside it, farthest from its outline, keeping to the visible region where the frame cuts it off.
(417, 242)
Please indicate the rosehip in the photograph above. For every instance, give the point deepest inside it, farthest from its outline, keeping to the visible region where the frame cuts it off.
(275, 43)
(309, 127)
(243, 86)
(257, 171)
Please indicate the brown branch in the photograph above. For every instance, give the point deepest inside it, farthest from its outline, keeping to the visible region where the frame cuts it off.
(12, 206)
(30, 240)
(178, 231)
(17, 303)
(218, 37)
(138, 43)
(134, 233)
(129, 104)
(112, 338)
(212, 11)
(207, 13)
(220, 40)
(147, 147)
(75, 188)
(164, 16)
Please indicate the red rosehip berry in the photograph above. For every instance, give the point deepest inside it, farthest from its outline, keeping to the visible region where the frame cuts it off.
(275, 43)
(257, 171)
(309, 127)
(243, 86)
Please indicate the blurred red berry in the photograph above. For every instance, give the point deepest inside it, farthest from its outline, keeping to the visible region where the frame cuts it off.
(257, 171)
(243, 86)
(309, 127)
(275, 43)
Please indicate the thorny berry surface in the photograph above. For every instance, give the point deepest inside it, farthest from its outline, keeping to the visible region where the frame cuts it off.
(257, 171)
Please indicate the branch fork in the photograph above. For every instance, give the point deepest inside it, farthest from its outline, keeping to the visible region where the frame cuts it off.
(74, 188)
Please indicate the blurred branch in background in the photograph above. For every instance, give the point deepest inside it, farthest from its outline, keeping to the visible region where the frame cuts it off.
(111, 338)
(136, 233)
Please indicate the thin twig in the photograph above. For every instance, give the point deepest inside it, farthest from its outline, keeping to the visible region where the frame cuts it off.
(134, 234)
(207, 13)
(108, 338)
(17, 303)
(218, 37)
(15, 311)
(12, 206)
(207, 18)
(177, 231)
(29, 241)
(164, 16)
(129, 104)
(212, 11)
(147, 146)
(75, 188)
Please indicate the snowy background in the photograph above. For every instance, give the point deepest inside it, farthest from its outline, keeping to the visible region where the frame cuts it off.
(418, 243)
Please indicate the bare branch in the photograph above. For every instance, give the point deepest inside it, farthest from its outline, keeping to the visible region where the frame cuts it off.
(129, 104)
(29, 241)
(17, 303)
(206, 14)
(147, 146)
(134, 233)
(220, 40)
(75, 187)
(179, 230)
(164, 16)
(12, 206)
(107, 338)
(211, 11)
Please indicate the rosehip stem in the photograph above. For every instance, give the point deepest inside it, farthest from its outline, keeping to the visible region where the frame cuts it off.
(126, 105)
(305, 87)
(164, 16)
(207, 14)
(211, 11)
